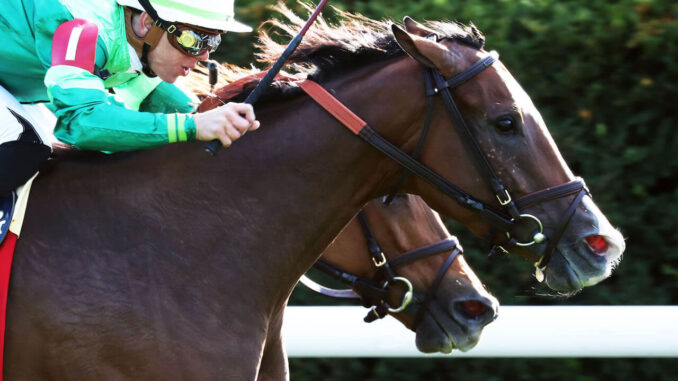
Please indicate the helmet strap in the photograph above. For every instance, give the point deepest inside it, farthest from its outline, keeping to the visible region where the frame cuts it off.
(146, 44)
(150, 42)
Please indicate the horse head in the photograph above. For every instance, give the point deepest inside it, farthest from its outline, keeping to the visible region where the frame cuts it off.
(518, 191)
(410, 247)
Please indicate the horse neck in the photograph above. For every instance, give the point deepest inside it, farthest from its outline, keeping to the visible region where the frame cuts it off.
(316, 173)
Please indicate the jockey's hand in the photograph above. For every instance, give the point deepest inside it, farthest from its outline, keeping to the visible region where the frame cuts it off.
(226, 123)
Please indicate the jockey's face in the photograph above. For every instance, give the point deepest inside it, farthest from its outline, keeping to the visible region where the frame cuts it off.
(169, 63)
(165, 60)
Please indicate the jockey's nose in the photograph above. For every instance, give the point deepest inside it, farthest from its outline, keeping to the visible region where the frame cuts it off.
(204, 56)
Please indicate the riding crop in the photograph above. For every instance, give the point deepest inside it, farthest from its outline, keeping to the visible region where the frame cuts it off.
(213, 146)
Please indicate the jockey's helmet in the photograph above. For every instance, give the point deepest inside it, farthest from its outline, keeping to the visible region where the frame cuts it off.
(209, 14)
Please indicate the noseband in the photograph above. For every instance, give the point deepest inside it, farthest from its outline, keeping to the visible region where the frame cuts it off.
(522, 229)
(373, 292)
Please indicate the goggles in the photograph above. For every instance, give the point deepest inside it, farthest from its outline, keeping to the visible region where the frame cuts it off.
(193, 40)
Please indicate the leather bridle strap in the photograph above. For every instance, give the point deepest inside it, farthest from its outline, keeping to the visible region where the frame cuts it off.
(458, 121)
(448, 243)
(430, 93)
(371, 292)
(433, 289)
(471, 72)
(555, 238)
(375, 251)
(337, 273)
(551, 193)
(364, 131)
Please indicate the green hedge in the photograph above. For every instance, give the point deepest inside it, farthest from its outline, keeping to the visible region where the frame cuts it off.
(604, 76)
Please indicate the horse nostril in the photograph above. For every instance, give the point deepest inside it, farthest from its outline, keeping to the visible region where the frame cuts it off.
(597, 243)
(473, 308)
(474, 312)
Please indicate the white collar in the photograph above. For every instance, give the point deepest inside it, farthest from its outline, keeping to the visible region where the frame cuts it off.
(134, 61)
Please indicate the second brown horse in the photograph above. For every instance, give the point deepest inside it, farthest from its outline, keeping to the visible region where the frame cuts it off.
(408, 227)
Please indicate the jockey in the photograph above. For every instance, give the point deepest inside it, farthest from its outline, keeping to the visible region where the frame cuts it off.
(106, 68)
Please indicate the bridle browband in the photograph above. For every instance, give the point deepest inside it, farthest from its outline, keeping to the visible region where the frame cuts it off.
(373, 292)
(509, 219)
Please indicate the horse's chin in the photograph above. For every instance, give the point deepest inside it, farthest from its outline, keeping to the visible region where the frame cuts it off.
(431, 338)
(561, 277)
(439, 332)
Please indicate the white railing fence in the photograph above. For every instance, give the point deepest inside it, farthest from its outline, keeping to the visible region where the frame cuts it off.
(520, 331)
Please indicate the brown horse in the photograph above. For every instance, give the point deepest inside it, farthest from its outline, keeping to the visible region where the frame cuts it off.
(585, 249)
(167, 264)
(409, 232)
(408, 239)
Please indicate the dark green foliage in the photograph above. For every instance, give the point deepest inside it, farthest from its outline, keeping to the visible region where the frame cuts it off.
(459, 369)
(604, 75)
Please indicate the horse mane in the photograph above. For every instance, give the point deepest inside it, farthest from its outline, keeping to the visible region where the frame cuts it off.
(328, 50)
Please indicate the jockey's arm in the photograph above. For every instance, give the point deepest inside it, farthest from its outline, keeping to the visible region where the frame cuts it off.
(168, 98)
(153, 95)
(89, 117)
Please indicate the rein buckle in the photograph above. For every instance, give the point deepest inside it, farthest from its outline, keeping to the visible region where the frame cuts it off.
(379, 261)
(507, 199)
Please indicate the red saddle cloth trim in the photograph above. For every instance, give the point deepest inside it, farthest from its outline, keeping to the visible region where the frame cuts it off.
(6, 255)
(333, 106)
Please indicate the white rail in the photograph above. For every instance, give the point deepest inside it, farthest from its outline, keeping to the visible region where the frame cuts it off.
(520, 331)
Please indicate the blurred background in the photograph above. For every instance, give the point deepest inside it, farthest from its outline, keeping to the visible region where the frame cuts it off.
(605, 78)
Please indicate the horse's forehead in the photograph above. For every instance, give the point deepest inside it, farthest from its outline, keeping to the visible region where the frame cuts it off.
(499, 92)
(517, 93)
(462, 56)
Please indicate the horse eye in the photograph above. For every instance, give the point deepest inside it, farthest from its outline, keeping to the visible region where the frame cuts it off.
(505, 125)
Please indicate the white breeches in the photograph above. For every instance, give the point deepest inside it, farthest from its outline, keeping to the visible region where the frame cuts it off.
(37, 115)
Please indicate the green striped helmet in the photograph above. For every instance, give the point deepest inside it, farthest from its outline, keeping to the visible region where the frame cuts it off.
(208, 14)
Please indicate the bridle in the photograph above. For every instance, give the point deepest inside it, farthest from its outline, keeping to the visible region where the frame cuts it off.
(522, 229)
(374, 292)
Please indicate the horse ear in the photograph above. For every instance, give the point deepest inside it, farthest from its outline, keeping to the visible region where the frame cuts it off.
(428, 53)
(406, 42)
(416, 28)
